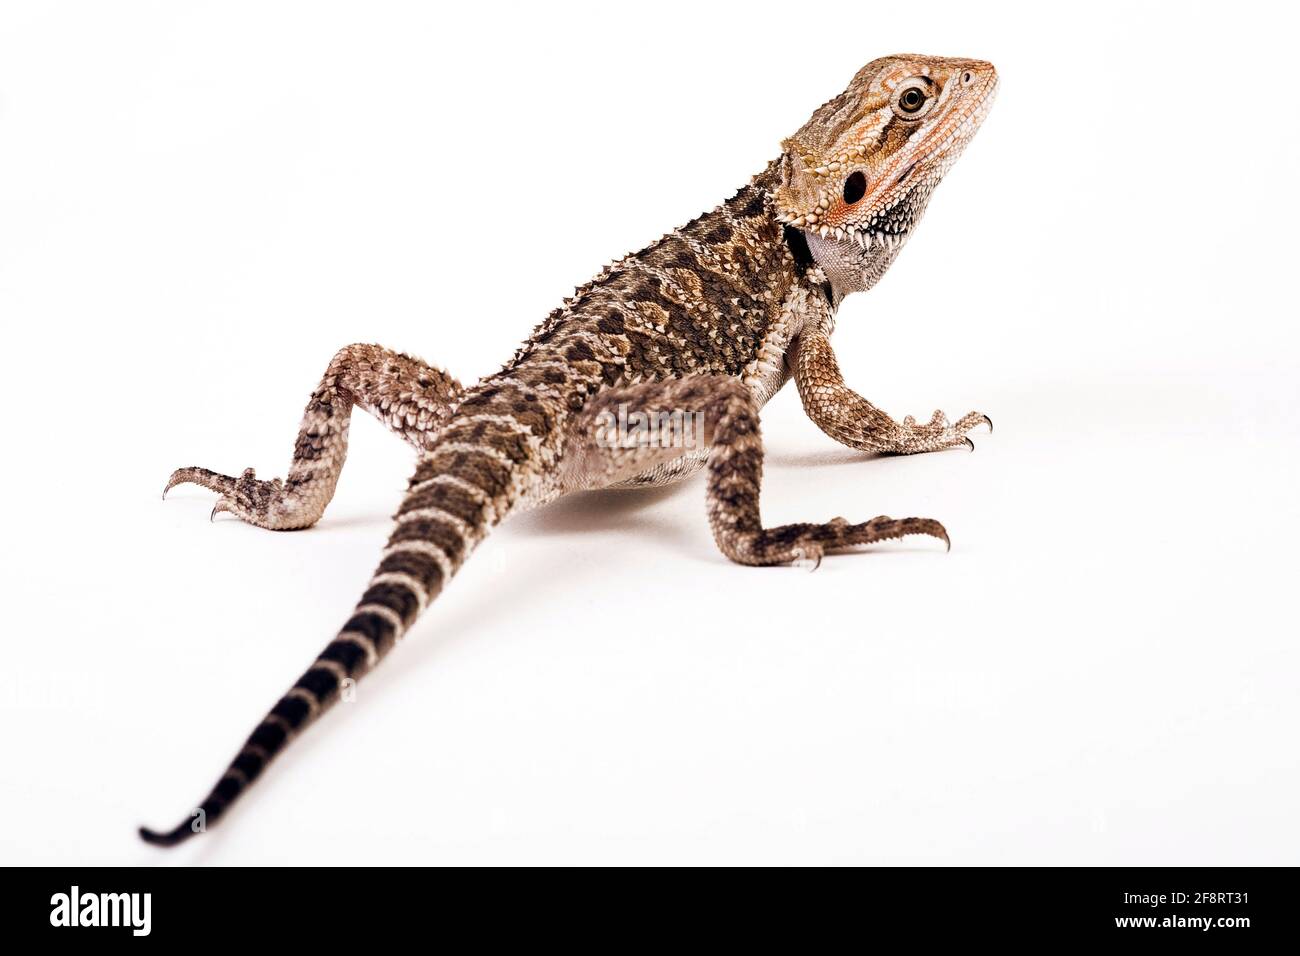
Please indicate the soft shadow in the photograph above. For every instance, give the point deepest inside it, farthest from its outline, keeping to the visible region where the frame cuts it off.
(587, 511)
(831, 457)
(839, 457)
(327, 523)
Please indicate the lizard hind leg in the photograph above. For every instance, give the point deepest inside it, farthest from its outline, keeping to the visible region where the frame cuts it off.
(729, 418)
(413, 399)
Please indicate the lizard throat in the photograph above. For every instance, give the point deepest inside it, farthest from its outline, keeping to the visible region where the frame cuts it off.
(854, 267)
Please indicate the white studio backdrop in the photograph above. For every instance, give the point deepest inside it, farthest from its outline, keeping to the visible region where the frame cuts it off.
(199, 203)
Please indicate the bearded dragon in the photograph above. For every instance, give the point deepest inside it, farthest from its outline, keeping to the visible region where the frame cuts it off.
(712, 319)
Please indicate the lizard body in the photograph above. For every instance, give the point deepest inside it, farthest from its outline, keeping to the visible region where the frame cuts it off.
(713, 319)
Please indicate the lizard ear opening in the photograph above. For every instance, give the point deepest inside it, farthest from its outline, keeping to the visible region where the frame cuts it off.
(855, 187)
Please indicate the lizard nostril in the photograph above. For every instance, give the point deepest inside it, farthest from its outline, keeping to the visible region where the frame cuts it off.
(967, 78)
(855, 187)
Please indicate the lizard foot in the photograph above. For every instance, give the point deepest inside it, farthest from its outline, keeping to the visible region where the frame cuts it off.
(804, 545)
(936, 434)
(260, 503)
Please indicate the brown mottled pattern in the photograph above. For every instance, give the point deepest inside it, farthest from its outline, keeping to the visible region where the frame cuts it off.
(712, 320)
(413, 399)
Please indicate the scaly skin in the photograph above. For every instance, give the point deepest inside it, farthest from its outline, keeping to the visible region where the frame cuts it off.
(712, 319)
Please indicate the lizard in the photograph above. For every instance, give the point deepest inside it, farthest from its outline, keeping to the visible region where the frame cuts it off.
(713, 318)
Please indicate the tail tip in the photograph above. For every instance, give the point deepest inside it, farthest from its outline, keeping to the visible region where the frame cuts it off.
(171, 838)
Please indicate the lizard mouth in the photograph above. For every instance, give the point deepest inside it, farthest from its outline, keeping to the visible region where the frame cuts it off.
(869, 241)
(887, 228)
(869, 237)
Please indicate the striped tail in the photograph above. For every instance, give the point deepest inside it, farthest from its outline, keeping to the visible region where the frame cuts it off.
(460, 489)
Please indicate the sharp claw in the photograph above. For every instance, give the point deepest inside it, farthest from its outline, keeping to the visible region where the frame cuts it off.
(221, 505)
(937, 530)
(176, 479)
(970, 443)
(989, 421)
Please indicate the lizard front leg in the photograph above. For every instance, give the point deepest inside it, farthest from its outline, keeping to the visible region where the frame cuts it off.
(412, 398)
(852, 420)
(718, 412)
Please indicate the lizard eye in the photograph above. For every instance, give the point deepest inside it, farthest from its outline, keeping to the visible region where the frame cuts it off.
(855, 187)
(913, 98)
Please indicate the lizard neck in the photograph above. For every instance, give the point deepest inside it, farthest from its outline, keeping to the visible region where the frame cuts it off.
(806, 265)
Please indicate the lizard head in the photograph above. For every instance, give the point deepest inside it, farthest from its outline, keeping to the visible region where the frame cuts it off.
(857, 177)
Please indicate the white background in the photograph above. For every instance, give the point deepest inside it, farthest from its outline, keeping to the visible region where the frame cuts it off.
(199, 203)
